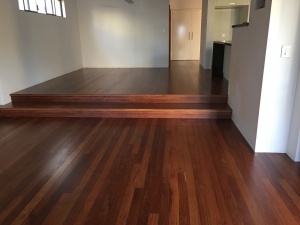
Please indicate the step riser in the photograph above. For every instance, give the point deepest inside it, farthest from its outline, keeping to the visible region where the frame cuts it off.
(180, 99)
(77, 112)
(180, 114)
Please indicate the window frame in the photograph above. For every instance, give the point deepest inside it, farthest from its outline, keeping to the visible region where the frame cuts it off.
(56, 10)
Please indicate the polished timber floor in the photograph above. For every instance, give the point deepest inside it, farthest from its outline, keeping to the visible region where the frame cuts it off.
(185, 90)
(140, 172)
(182, 78)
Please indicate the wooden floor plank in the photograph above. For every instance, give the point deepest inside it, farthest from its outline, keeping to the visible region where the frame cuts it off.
(182, 78)
(185, 90)
(38, 197)
(141, 172)
(210, 191)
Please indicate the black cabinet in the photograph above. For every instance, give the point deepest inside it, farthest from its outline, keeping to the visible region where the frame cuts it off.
(218, 59)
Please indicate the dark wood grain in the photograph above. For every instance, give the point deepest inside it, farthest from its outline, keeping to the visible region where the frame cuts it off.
(113, 98)
(185, 90)
(117, 110)
(182, 78)
(141, 171)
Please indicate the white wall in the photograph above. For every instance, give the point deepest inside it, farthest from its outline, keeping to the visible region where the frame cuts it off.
(35, 47)
(117, 34)
(224, 19)
(2, 102)
(280, 78)
(262, 85)
(246, 71)
(207, 31)
(186, 4)
(244, 13)
(294, 136)
(208, 7)
(226, 63)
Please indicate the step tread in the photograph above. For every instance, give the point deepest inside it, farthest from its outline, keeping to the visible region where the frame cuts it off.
(116, 106)
(120, 110)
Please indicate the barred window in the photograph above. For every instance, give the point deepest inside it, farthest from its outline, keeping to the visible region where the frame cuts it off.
(50, 7)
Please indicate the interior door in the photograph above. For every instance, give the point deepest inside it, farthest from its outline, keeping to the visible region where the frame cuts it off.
(181, 34)
(195, 34)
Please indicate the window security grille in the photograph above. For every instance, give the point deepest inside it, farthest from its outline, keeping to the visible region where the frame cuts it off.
(50, 7)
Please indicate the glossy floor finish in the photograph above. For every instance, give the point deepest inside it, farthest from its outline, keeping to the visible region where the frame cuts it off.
(141, 172)
(182, 78)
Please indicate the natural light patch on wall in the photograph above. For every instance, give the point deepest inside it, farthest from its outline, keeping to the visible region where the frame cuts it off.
(116, 34)
(49, 7)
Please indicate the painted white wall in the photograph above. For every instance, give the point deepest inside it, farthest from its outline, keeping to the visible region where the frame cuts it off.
(2, 102)
(262, 85)
(244, 13)
(207, 31)
(206, 49)
(246, 71)
(294, 136)
(117, 34)
(186, 4)
(226, 63)
(224, 19)
(280, 78)
(36, 47)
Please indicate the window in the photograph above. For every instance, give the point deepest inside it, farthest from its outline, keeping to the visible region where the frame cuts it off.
(50, 7)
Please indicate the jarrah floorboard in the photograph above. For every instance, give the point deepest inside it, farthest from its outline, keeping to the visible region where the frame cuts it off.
(182, 78)
(141, 172)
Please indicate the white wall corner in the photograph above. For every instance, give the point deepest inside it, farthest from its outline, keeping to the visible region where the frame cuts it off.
(1, 95)
(208, 7)
(293, 149)
(36, 48)
(246, 73)
(279, 81)
(297, 156)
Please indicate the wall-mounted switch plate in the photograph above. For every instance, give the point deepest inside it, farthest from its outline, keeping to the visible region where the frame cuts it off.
(286, 51)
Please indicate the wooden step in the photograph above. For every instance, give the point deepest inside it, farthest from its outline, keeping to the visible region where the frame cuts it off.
(117, 110)
(88, 98)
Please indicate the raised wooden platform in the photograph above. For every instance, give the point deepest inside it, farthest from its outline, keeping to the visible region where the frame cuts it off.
(182, 78)
(183, 91)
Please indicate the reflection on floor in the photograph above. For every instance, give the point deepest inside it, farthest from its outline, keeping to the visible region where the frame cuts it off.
(185, 90)
(182, 78)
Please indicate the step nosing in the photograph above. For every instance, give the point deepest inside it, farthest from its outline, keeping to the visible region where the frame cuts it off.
(107, 109)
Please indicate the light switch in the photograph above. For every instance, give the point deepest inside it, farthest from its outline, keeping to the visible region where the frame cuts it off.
(286, 51)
